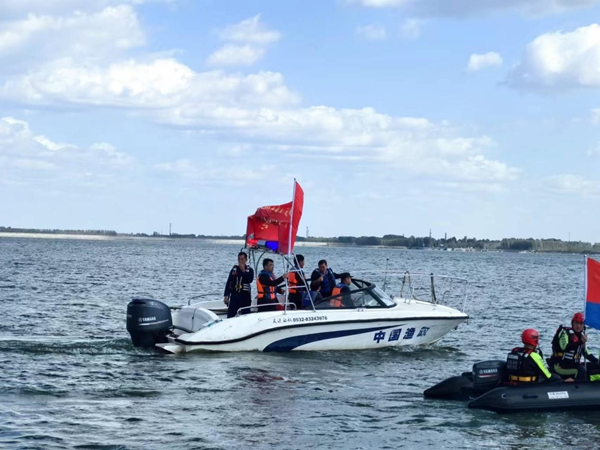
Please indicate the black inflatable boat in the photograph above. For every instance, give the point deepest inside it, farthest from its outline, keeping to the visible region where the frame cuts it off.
(486, 375)
(483, 389)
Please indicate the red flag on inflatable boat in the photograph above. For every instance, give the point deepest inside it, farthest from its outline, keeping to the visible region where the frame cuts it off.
(276, 226)
(592, 293)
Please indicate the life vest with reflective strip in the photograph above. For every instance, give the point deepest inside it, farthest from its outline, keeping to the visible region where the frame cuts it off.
(519, 366)
(572, 357)
(266, 292)
(236, 283)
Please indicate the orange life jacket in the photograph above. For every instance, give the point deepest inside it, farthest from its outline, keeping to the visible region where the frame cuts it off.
(336, 303)
(337, 290)
(292, 283)
(266, 292)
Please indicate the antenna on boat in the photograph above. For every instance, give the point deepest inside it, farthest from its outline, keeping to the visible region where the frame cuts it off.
(385, 274)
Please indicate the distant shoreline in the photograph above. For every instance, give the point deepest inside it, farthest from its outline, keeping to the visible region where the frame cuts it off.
(126, 237)
(393, 241)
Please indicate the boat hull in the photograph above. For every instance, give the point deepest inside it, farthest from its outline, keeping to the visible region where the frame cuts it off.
(355, 329)
(579, 396)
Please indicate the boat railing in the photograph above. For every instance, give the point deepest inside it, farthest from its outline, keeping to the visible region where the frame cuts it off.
(422, 286)
(201, 296)
(257, 308)
(290, 265)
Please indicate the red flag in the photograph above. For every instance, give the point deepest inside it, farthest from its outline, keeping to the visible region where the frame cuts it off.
(277, 224)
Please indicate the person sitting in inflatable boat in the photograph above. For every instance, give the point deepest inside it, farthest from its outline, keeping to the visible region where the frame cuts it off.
(526, 364)
(569, 350)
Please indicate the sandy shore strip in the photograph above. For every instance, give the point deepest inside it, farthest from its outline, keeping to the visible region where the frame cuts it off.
(99, 237)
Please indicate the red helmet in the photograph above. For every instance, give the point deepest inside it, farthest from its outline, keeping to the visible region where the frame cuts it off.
(530, 336)
(577, 317)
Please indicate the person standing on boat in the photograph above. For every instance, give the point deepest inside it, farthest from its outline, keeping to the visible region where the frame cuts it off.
(526, 364)
(268, 286)
(238, 291)
(297, 282)
(569, 350)
(327, 277)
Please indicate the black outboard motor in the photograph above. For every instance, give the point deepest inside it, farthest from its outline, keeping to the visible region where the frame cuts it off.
(488, 374)
(148, 322)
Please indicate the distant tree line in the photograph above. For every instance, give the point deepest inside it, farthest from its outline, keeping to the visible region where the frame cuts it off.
(388, 240)
(510, 244)
(56, 231)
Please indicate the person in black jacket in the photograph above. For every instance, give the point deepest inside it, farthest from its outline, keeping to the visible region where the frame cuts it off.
(569, 352)
(327, 277)
(238, 290)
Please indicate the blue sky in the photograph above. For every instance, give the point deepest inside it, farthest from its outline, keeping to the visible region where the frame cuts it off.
(472, 117)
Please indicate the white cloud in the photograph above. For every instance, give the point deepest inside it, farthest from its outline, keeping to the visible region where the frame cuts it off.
(235, 55)
(91, 35)
(261, 108)
(461, 8)
(16, 8)
(251, 31)
(28, 159)
(373, 32)
(574, 185)
(411, 28)
(253, 34)
(478, 62)
(256, 108)
(560, 61)
(156, 85)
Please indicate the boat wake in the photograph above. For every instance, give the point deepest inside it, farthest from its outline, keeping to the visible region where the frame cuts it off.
(63, 345)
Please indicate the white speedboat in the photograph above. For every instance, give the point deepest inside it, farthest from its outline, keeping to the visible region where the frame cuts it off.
(377, 320)
(369, 319)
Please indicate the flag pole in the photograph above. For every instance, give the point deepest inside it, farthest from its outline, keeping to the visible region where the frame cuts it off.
(585, 285)
(289, 252)
(292, 220)
(585, 279)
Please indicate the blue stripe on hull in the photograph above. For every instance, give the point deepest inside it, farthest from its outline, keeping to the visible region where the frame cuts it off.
(289, 344)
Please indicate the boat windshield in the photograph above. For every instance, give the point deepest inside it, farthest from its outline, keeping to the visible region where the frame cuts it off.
(362, 295)
(385, 298)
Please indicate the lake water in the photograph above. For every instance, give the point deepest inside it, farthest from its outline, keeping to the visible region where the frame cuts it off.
(70, 378)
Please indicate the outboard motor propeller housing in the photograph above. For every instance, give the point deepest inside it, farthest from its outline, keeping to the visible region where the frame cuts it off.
(148, 322)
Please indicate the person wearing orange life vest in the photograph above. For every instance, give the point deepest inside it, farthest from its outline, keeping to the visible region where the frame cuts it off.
(526, 364)
(297, 282)
(341, 293)
(569, 350)
(268, 286)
